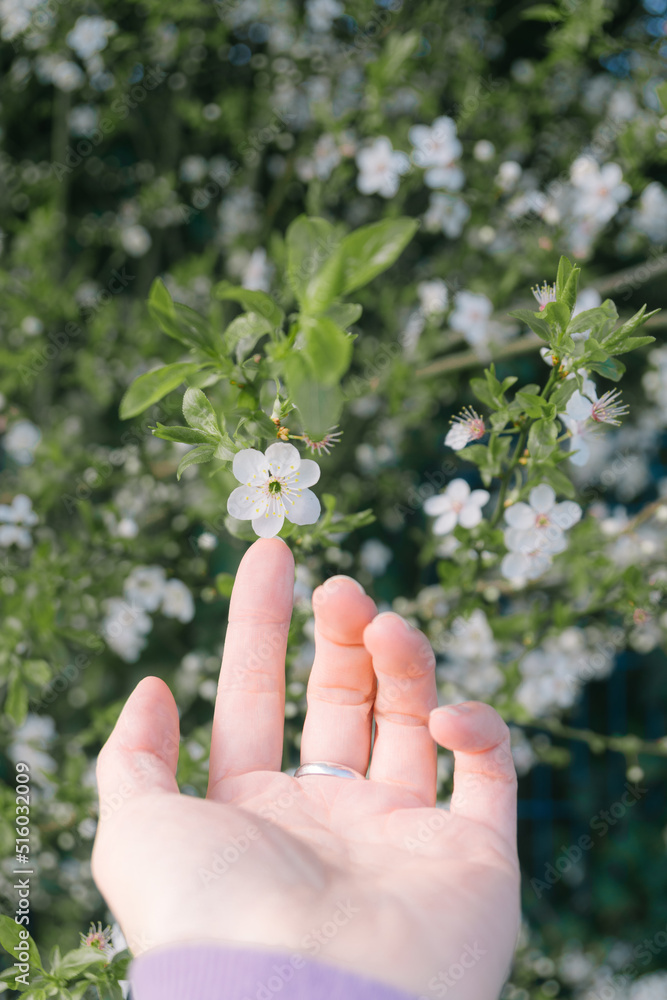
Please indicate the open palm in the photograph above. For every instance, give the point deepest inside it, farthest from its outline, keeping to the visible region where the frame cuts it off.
(368, 875)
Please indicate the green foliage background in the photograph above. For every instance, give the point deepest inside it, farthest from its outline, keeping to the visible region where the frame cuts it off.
(249, 87)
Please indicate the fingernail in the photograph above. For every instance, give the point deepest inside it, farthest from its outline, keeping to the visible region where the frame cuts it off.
(392, 614)
(341, 576)
(458, 709)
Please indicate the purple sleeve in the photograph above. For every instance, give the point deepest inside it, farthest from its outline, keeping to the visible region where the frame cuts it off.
(218, 972)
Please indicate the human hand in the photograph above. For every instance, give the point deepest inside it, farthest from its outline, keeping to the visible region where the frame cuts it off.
(417, 897)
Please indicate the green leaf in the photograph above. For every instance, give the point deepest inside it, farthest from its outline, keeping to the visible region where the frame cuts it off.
(314, 264)
(489, 390)
(177, 320)
(542, 438)
(36, 672)
(319, 405)
(344, 313)
(77, 961)
(534, 320)
(224, 584)
(186, 435)
(243, 333)
(327, 347)
(557, 314)
(202, 453)
(661, 92)
(619, 336)
(159, 297)
(611, 369)
(372, 249)
(532, 403)
(11, 935)
(253, 301)
(562, 393)
(542, 12)
(598, 320)
(565, 269)
(199, 413)
(113, 991)
(632, 343)
(568, 296)
(399, 47)
(16, 702)
(154, 385)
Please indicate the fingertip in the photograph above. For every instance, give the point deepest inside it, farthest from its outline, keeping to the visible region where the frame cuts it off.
(341, 604)
(273, 550)
(471, 726)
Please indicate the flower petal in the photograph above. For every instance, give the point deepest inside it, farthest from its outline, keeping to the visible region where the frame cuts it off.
(578, 407)
(566, 514)
(520, 515)
(458, 491)
(307, 474)
(284, 459)
(514, 566)
(302, 508)
(268, 525)
(457, 436)
(445, 523)
(542, 498)
(250, 466)
(480, 497)
(470, 516)
(437, 504)
(579, 445)
(246, 502)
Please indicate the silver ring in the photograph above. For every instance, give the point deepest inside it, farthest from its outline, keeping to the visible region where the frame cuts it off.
(327, 767)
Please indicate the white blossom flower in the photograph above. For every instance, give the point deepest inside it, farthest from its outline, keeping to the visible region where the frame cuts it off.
(650, 217)
(380, 167)
(21, 440)
(238, 213)
(90, 35)
(433, 296)
(275, 488)
(30, 743)
(135, 240)
(446, 213)
(207, 541)
(437, 148)
(15, 519)
(472, 654)
(582, 414)
(457, 504)
(258, 271)
(322, 13)
(599, 191)
(124, 628)
(144, 587)
(375, 556)
(508, 175)
(66, 75)
(193, 169)
(83, 119)
(484, 151)
(471, 316)
(326, 156)
(177, 601)
(650, 987)
(545, 294)
(467, 426)
(536, 532)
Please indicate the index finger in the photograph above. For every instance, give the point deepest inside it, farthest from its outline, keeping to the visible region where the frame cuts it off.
(250, 705)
